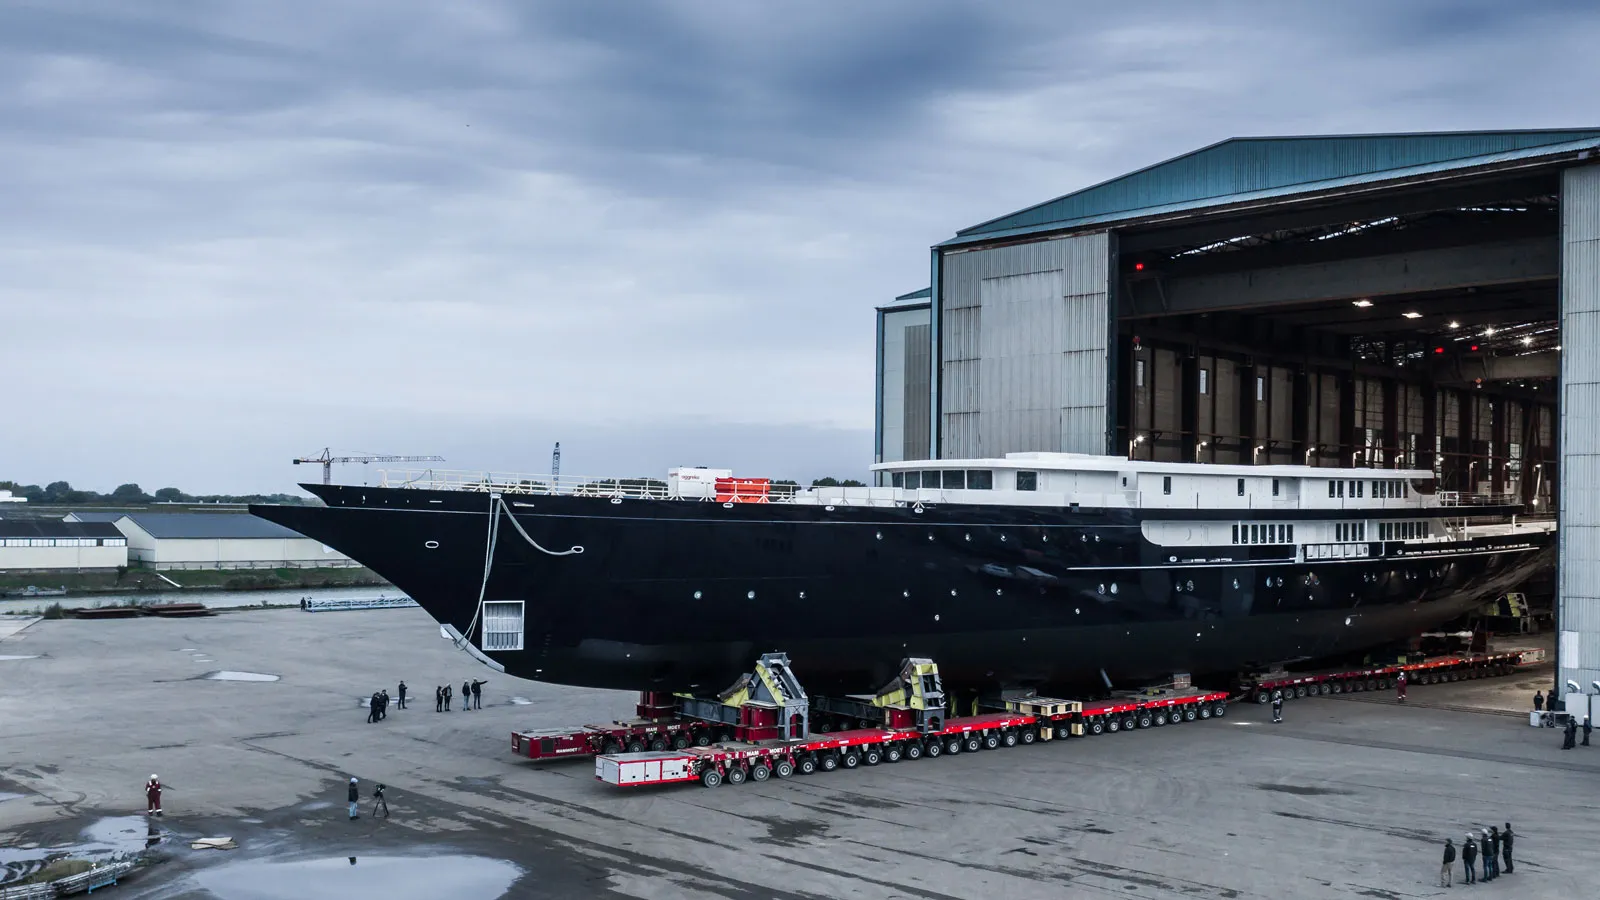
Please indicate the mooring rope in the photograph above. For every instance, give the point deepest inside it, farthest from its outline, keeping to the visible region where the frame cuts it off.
(497, 505)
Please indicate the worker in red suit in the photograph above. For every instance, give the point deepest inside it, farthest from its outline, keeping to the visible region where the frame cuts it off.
(152, 796)
(1400, 687)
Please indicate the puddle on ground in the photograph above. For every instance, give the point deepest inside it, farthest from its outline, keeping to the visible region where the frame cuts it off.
(226, 675)
(5, 796)
(521, 701)
(104, 838)
(185, 650)
(4, 658)
(337, 878)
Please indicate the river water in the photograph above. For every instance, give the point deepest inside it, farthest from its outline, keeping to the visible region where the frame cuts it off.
(215, 599)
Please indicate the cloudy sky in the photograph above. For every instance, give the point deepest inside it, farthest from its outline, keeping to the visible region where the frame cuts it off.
(237, 232)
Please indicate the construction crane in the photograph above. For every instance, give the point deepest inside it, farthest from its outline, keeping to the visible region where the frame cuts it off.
(555, 462)
(328, 459)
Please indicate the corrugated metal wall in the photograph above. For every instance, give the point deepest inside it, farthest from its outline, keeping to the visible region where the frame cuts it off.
(918, 378)
(1579, 591)
(1023, 352)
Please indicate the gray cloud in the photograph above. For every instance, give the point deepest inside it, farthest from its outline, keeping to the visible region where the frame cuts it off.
(238, 232)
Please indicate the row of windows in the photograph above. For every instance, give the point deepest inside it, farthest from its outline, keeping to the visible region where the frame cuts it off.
(66, 542)
(1403, 531)
(1380, 489)
(1263, 534)
(1350, 531)
(952, 480)
(1275, 487)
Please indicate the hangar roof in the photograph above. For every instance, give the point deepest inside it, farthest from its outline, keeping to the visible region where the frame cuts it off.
(1251, 168)
(209, 526)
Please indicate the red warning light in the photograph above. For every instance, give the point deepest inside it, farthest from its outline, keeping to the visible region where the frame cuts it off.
(1474, 347)
(1138, 267)
(1438, 349)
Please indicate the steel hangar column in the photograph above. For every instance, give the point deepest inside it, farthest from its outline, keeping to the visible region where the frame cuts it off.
(1578, 568)
(1025, 347)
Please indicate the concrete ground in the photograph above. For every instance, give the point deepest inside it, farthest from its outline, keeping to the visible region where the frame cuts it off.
(1351, 796)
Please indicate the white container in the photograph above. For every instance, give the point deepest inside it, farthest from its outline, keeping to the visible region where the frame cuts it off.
(695, 482)
(642, 768)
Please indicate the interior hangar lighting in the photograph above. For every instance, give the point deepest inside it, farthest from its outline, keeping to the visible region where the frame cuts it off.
(1412, 315)
(1363, 303)
(1455, 324)
(1527, 340)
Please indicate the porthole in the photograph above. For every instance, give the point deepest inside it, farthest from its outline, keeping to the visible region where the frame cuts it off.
(997, 592)
(751, 595)
(967, 537)
(1002, 539)
(802, 595)
(879, 535)
(1236, 584)
(1084, 538)
(616, 501)
(952, 593)
(1102, 589)
(1097, 539)
(828, 508)
(905, 594)
(1113, 587)
(936, 617)
(697, 595)
(1189, 586)
(432, 545)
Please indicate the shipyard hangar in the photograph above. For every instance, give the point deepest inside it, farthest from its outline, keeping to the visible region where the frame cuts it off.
(1403, 301)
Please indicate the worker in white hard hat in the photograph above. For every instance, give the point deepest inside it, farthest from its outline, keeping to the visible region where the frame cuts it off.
(355, 797)
(152, 796)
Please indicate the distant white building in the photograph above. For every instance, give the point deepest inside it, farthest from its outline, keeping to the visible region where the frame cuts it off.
(216, 541)
(28, 545)
(8, 497)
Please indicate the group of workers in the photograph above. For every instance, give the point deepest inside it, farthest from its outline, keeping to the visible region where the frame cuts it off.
(1569, 737)
(471, 696)
(1490, 846)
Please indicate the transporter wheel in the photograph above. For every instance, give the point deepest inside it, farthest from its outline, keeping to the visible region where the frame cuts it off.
(736, 775)
(1263, 697)
(1159, 719)
(1144, 720)
(953, 746)
(1130, 723)
(680, 741)
(934, 748)
(972, 743)
(1337, 687)
(702, 738)
(1028, 735)
(873, 755)
(724, 736)
(1098, 726)
(913, 749)
(711, 778)
(658, 744)
(760, 771)
(783, 769)
(1189, 714)
(635, 745)
(851, 760)
(1205, 711)
(830, 761)
(1300, 691)
(1374, 684)
(610, 747)
(992, 740)
(1220, 708)
(892, 753)
(1010, 738)
(1324, 689)
(807, 764)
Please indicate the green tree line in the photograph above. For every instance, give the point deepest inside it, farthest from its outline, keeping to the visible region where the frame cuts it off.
(60, 493)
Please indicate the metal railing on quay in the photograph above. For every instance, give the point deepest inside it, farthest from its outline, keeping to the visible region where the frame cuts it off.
(1460, 498)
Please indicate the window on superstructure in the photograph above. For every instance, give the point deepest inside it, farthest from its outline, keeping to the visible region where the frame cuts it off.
(1427, 529)
(1283, 534)
(1261, 388)
(1330, 489)
(980, 480)
(1290, 537)
(1166, 484)
(1274, 487)
(955, 480)
(1236, 532)
(930, 480)
(1404, 490)
(1340, 485)
(1027, 481)
(1138, 373)
(897, 479)
(1361, 488)
(913, 481)
(1241, 487)
(1205, 380)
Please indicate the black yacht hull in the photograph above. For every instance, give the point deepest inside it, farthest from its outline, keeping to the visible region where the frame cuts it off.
(683, 596)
